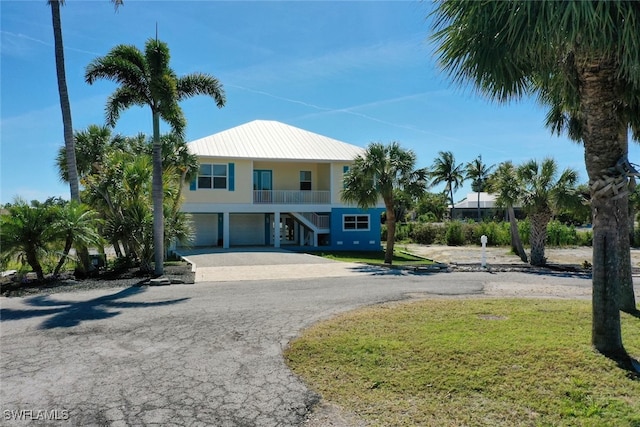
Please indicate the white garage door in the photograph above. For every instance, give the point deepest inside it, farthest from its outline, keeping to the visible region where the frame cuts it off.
(206, 229)
(246, 229)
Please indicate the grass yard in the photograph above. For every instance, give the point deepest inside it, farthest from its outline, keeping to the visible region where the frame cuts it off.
(375, 257)
(472, 362)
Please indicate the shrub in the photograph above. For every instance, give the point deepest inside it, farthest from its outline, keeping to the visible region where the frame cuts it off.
(454, 236)
(585, 238)
(427, 234)
(559, 234)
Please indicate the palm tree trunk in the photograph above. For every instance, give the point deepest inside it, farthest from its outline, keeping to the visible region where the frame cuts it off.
(158, 195)
(479, 218)
(65, 106)
(603, 149)
(516, 242)
(451, 199)
(65, 253)
(32, 260)
(627, 294)
(391, 232)
(538, 238)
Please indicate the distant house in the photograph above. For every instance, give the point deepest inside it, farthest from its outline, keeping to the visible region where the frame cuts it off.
(265, 183)
(467, 208)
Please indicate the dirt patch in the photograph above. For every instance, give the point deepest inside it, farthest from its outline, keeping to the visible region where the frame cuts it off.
(572, 256)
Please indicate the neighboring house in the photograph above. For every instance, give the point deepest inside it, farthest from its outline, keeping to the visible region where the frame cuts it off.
(265, 183)
(467, 208)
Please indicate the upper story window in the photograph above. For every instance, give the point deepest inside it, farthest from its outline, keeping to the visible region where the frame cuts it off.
(305, 180)
(212, 176)
(355, 222)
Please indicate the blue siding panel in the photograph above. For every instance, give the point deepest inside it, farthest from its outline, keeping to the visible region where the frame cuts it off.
(368, 240)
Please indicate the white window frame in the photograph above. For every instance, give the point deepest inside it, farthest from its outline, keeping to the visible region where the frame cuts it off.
(310, 180)
(213, 176)
(358, 218)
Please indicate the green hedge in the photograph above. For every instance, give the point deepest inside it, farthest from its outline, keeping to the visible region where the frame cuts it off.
(457, 233)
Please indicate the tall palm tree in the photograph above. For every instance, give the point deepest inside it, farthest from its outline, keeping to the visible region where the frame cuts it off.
(478, 172)
(146, 79)
(63, 92)
(505, 184)
(544, 193)
(586, 56)
(376, 174)
(445, 170)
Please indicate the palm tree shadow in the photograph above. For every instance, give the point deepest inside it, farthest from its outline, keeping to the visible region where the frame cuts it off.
(71, 313)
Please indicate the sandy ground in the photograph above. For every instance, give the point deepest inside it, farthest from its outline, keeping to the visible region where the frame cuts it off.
(502, 255)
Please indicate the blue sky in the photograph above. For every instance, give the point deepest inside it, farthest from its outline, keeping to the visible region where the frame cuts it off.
(358, 72)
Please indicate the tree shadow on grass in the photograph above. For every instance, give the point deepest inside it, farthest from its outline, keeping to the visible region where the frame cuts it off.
(67, 314)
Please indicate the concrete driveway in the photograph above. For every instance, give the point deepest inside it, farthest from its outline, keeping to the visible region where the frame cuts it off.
(225, 265)
(208, 354)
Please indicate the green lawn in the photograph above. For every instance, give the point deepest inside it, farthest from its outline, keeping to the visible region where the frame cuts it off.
(374, 257)
(470, 362)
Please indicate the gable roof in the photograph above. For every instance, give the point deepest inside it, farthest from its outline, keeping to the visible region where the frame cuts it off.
(267, 139)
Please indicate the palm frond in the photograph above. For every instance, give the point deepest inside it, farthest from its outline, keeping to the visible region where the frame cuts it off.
(201, 84)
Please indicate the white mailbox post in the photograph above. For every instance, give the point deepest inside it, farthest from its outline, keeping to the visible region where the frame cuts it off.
(483, 261)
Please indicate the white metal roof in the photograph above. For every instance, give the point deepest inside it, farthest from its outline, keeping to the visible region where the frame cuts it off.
(266, 139)
(471, 201)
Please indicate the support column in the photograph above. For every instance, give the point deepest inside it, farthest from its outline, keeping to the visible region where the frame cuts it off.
(276, 234)
(225, 230)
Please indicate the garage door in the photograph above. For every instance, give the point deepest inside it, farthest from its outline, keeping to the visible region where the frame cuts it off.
(206, 229)
(246, 229)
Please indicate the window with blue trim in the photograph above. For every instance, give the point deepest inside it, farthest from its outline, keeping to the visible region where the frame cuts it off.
(212, 176)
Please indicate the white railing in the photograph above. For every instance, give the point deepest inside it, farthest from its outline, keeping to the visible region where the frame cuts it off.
(291, 197)
(320, 221)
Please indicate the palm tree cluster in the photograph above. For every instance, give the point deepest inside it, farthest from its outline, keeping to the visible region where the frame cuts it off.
(582, 60)
(542, 193)
(115, 172)
(33, 232)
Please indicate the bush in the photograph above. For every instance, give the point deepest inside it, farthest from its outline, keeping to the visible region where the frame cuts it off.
(585, 238)
(427, 234)
(454, 236)
(498, 233)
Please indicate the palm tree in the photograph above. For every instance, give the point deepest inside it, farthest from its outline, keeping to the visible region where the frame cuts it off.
(445, 170)
(26, 234)
(478, 172)
(75, 224)
(376, 174)
(585, 56)
(146, 79)
(544, 193)
(63, 92)
(505, 184)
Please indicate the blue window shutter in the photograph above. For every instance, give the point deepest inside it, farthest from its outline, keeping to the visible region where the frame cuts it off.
(232, 180)
(345, 169)
(194, 184)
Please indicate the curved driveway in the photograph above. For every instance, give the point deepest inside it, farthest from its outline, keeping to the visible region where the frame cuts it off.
(208, 354)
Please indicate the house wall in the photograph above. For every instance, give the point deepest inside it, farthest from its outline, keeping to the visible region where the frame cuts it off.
(242, 180)
(368, 240)
(286, 175)
(337, 174)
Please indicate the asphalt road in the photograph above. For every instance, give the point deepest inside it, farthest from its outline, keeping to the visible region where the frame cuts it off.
(208, 354)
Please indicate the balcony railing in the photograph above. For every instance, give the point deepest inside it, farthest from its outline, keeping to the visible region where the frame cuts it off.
(291, 197)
